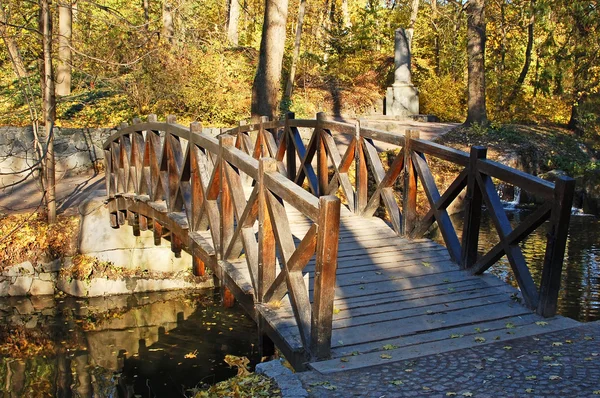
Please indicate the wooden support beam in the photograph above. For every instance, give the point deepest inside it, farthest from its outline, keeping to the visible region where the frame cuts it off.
(226, 209)
(199, 268)
(228, 298)
(324, 283)
(158, 232)
(176, 244)
(556, 244)
(322, 169)
(472, 220)
(266, 237)
(290, 147)
(409, 199)
(143, 222)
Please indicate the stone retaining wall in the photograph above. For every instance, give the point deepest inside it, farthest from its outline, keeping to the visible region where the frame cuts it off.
(76, 149)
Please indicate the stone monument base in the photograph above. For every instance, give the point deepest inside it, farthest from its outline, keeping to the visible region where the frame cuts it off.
(402, 100)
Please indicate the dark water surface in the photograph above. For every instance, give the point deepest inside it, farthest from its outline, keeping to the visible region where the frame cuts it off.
(579, 297)
(148, 345)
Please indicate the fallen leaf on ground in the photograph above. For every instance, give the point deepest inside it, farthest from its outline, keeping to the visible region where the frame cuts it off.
(385, 356)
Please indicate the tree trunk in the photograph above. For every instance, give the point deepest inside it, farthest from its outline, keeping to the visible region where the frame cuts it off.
(268, 74)
(436, 36)
(232, 22)
(63, 72)
(11, 47)
(168, 29)
(146, 7)
(49, 108)
(414, 11)
(528, 51)
(476, 62)
(289, 88)
(346, 14)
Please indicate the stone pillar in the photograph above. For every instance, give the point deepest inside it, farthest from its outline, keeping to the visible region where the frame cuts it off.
(402, 99)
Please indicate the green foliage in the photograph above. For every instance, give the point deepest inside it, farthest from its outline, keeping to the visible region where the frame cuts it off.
(444, 97)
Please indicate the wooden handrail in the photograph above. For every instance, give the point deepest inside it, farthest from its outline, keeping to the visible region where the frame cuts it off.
(191, 182)
(411, 164)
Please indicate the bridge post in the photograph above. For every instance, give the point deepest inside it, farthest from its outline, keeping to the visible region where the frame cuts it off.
(266, 236)
(555, 247)
(409, 199)
(322, 169)
(290, 147)
(362, 179)
(324, 281)
(226, 208)
(472, 221)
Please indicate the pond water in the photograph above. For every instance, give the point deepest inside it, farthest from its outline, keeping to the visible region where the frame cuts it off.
(579, 297)
(148, 345)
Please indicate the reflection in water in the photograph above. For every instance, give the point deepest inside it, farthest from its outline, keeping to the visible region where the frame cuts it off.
(579, 297)
(158, 344)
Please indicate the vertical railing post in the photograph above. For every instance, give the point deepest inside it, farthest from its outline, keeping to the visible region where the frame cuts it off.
(195, 179)
(172, 177)
(266, 237)
(290, 147)
(226, 208)
(362, 181)
(322, 169)
(555, 248)
(324, 280)
(409, 197)
(473, 203)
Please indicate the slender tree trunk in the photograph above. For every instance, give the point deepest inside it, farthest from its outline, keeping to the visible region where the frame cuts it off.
(11, 47)
(233, 21)
(346, 14)
(63, 72)
(528, 51)
(146, 7)
(168, 29)
(49, 107)
(476, 37)
(268, 74)
(289, 88)
(436, 36)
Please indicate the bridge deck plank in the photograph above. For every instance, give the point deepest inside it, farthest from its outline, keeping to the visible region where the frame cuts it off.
(406, 295)
(394, 298)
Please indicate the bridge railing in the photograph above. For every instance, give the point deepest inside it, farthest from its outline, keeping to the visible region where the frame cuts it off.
(350, 166)
(193, 185)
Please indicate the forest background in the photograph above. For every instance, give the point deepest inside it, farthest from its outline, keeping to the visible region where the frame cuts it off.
(197, 59)
(112, 60)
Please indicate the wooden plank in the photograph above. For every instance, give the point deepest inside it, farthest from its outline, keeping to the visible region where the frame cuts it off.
(398, 327)
(411, 312)
(441, 345)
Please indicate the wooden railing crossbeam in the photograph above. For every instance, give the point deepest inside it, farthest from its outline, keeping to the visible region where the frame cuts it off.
(180, 183)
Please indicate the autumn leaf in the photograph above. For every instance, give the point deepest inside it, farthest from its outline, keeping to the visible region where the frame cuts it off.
(388, 347)
(541, 323)
(479, 339)
(510, 325)
(467, 394)
(529, 390)
(191, 355)
(344, 359)
(456, 336)
(557, 344)
(426, 264)
(396, 382)
(450, 394)
(507, 347)
(532, 377)
(554, 377)
(385, 356)
(336, 310)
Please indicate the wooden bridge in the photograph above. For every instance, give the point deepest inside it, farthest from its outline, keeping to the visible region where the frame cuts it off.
(283, 214)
